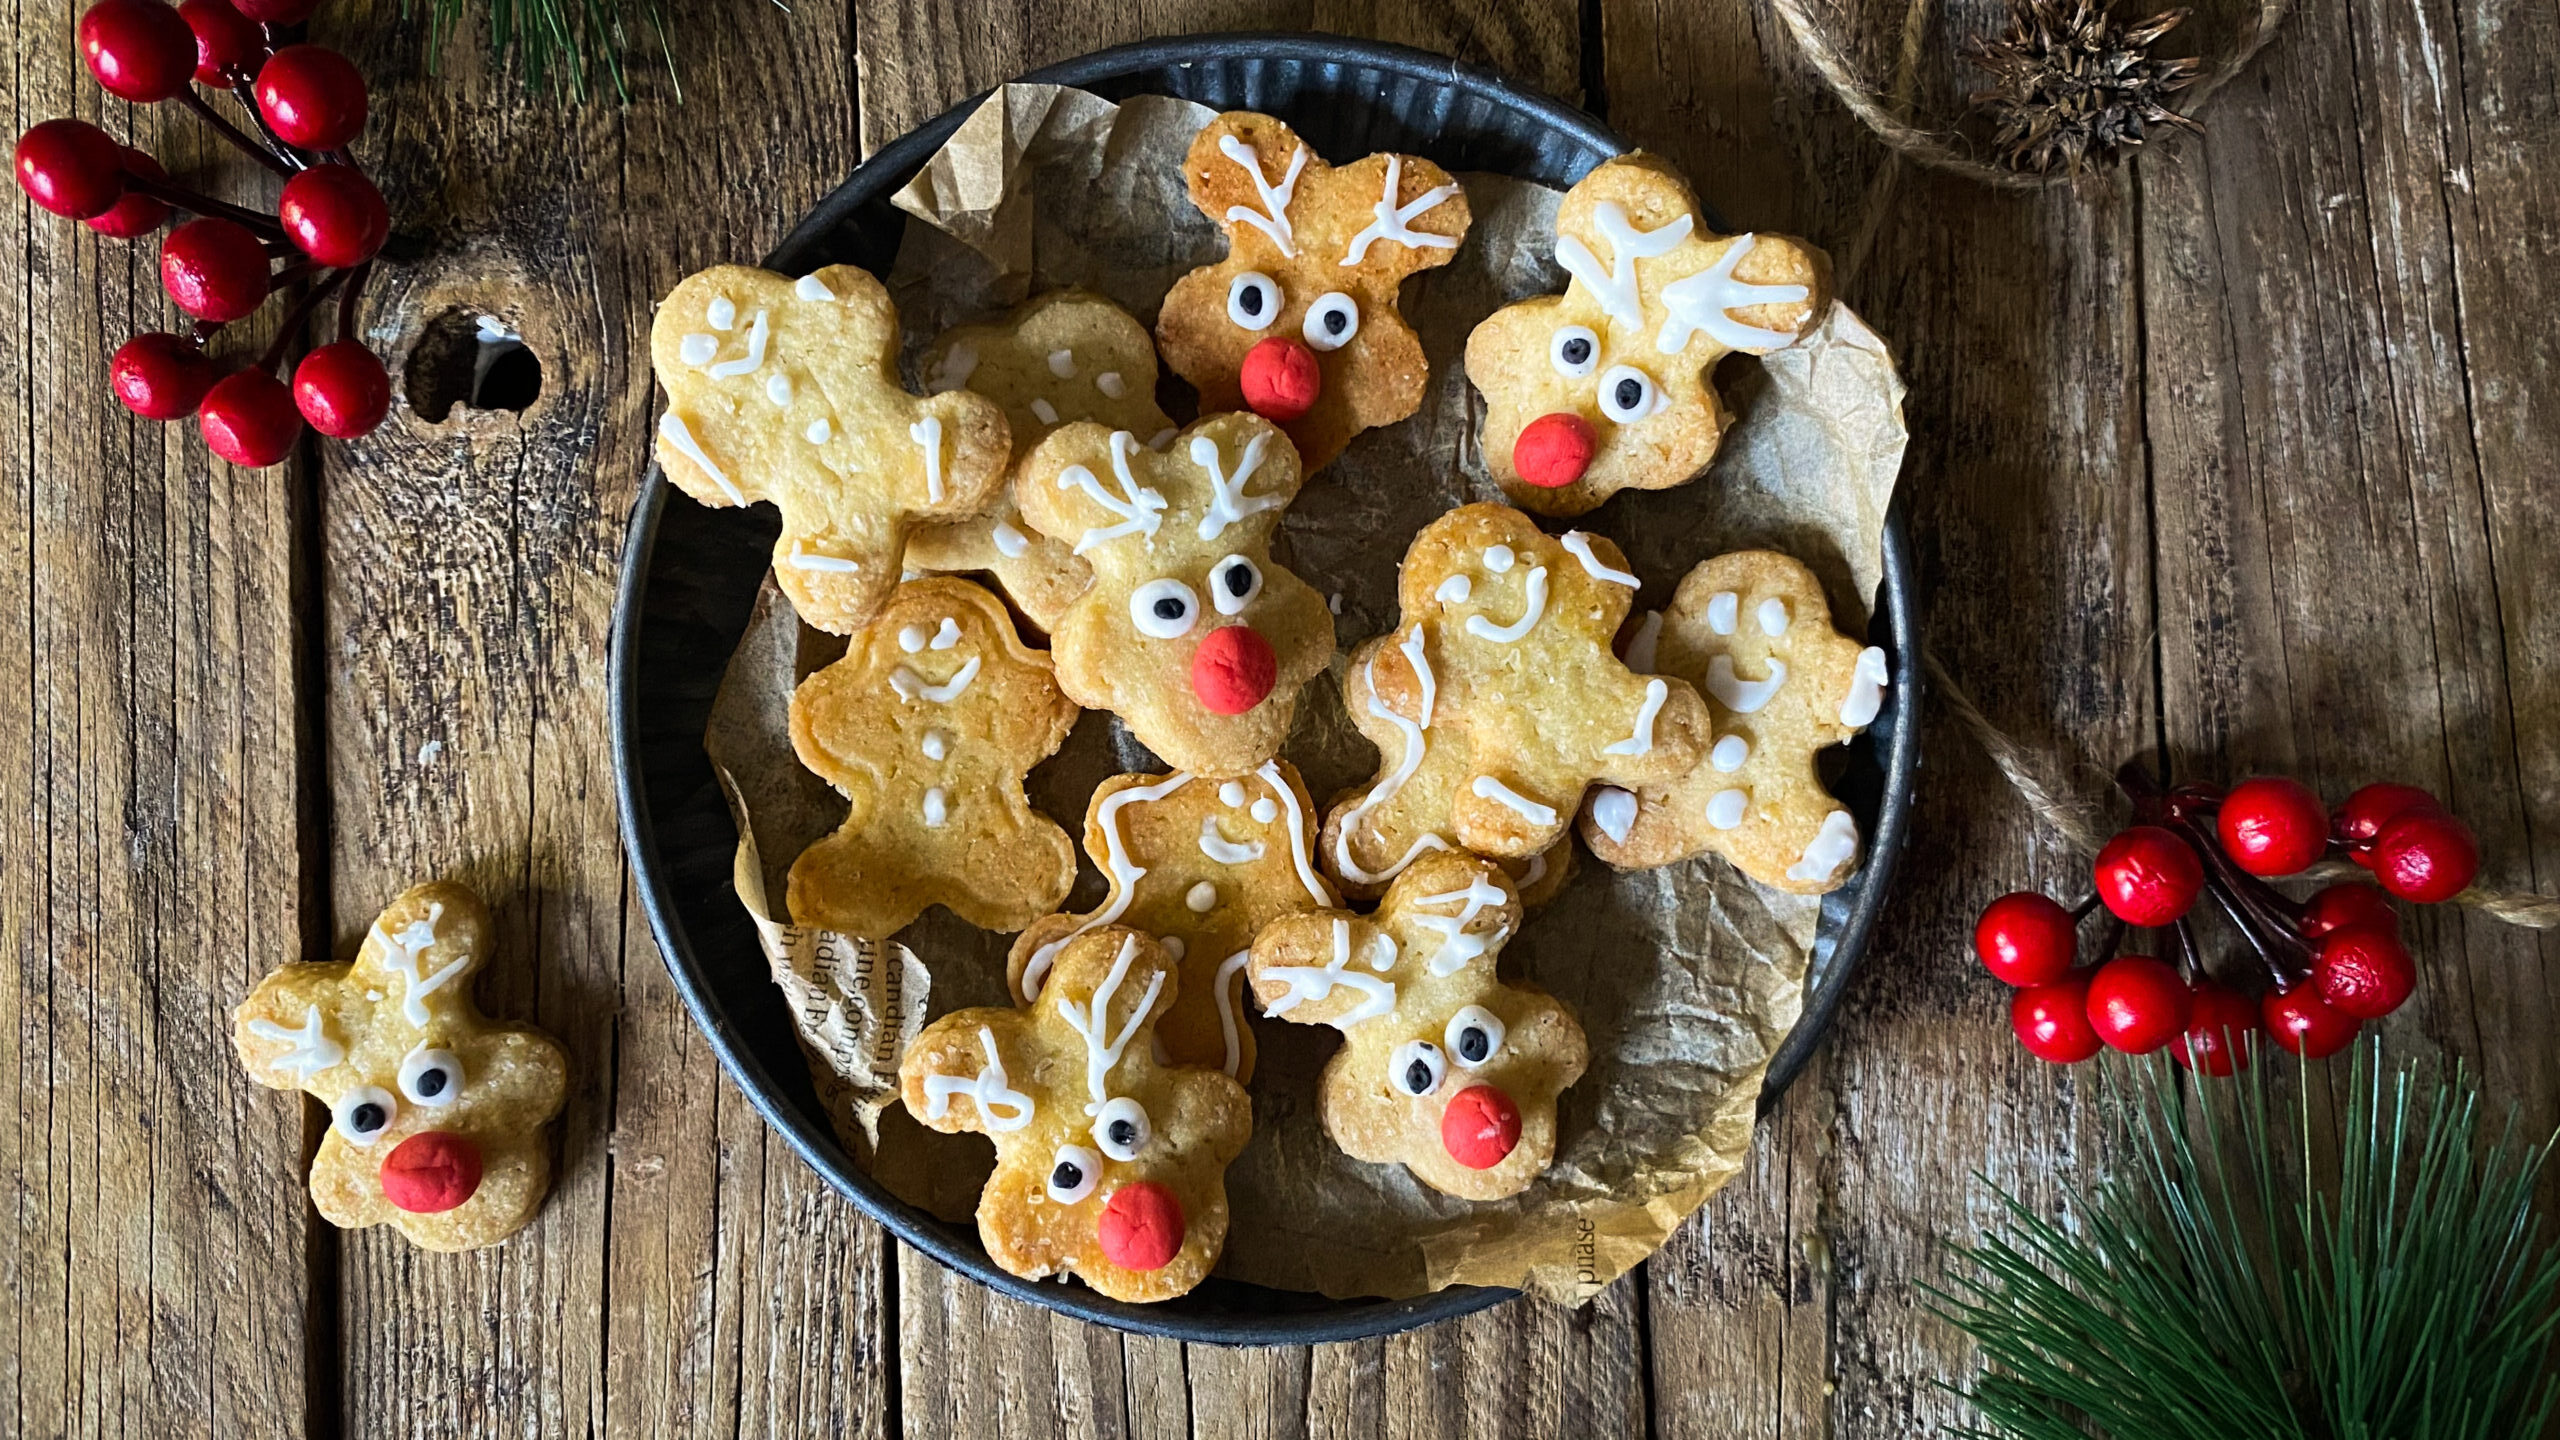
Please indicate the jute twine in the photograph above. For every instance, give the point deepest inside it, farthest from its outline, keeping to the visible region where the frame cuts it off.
(2084, 823)
(1886, 116)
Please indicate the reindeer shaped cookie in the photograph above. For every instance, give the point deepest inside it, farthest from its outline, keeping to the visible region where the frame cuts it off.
(1299, 323)
(786, 390)
(436, 1113)
(927, 725)
(1443, 1069)
(1201, 865)
(1066, 356)
(1608, 386)
(1498, 699)
(1753, 631)
(1110, 1165)
(1190, 633)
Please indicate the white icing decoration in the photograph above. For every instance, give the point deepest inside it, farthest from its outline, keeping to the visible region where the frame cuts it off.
(1264, 811)
(1391, 217)
(936, 744)
(1615, 288)
(1488, 788)
(1062, 363)
(721, 312)
(812, 289)
(1123, 873)
(1140, 508)
(1043, 411)
(1228, 503)
(1578, 545)
(1454, 590)
(937, 808)
(1011, 543)
(1306, 982)
(912, 686)
(1641, 742)
(777, 388)
(911, 639)
(1298, 856)
(1701, 301)
(946, 635)
(1832, 846)
(1725, 808)
(1231, 794)
(1406, 763)
(927, 433)
(1095, 1018)
(753, 360)
(1225, 985)
(1273, 218)
(819, 431)
(1773, 617)
(801, 559)
(1866, 689)
(312, 1050)
(1202, 898)
(1536, 872)
(1484, 629)
(411, 944)
(1498, 559)
(1162, 438)
(1614, 811)
(1458, 945)
(1740, 696)
(1001, 1108)
(1729, 753)
(1640, 649)
(1174, 949)
(1724, 608)
(698, 348)
(1215, 845)
(1110, 384)
(954, 369)
(671, 428)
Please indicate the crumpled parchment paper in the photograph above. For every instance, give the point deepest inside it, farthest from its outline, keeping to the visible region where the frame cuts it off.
(1685, 978)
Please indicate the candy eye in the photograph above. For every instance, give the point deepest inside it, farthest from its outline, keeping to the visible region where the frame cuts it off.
(1164, 609)
(1417, 1067)
(1627, 394)
(1122, 1129)
(1073, 1172)
(1253, 300)
(1331, 321)
(1474, 1036)
(1573, 351)
(1233, 582)
(363, 1113)
(431, 1077)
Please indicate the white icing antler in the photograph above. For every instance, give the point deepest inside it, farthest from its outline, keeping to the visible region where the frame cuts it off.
(1140, 512)
(1228, 503)
(1615, 288)
(1391, 217)
(1700, 302)
(1123, 872)
(1273, 218)
(1458, 944)
(991, 1088)
(1414, 743)
(1306, 982)
(313, 1051)
(1095, 1018)
(410, 946)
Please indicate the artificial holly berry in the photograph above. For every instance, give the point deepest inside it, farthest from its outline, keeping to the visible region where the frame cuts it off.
(277, 12)
(334, 214)
(2273, 826)
(160, 376)
(215, 269)
(229, 46)
(2052, 1021)
(342, 390)
(2026, 939)
(312, 97)
(71, 168)
(2365, 972)
(2220, 1021)
(2361, 818)
(2148, 875)
(2137, 1004)
(249, 419)
(2425, 855)
(2340, 906)
(137, 214)
(2300, 1021)
(140, 50)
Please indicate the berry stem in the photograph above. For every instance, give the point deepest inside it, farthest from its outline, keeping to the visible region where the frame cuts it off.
(2190, 961)
(188, 200)
(2110, 938)
(293, 318)
(203, 331)
(349, 297)
(272, 159)
(2081, 911)
(248, 97)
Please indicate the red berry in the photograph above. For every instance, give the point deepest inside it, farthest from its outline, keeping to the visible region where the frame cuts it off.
(249, 419)
(312, 96)
(161, 377)
(2365, 972)
(2149, 875)
(2026, 939)
(136, 214)
(71, 168)
(2362, 817)
(334, 214)
(2137, 1004)
(214, 269)
(2340, 906)
(2426, 856)
(277, 12)
(342, 390)
(228, 45)
(1279, 379)
(2220, 1021)
(2052, 1021)
(140, 50)
(1554, 450)
(2300, 1021)
(2273, 826)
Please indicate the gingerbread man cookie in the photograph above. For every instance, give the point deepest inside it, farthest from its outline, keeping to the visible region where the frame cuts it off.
(1443, 1069)
(436, 1113)
(1299, 323)
(1753, 631)
(1201, 865)
(927, 725)
(1110, 1165)
(786, 390)
(1498, 699)
(1609, 386)
(1066, 356)
(1190, 632)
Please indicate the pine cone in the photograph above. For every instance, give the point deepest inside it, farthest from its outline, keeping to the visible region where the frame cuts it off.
(2074, 85)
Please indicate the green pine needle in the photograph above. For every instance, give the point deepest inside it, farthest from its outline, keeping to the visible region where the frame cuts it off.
(2211, 1290)
(558, 45)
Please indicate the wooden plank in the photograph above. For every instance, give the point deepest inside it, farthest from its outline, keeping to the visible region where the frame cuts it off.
(161, 1241)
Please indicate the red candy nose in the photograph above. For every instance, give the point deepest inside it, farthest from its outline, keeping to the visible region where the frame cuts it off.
(1480, 1127)
(1280, 379)
(1141, 1227)
(1233, 669)
(1554, 450)
(430, 1173)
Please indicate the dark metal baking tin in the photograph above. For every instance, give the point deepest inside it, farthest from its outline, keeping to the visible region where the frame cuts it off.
(690, 575)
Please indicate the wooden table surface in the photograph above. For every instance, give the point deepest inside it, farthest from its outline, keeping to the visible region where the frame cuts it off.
(2251, 454)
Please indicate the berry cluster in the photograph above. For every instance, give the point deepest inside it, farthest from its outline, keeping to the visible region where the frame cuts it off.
(219, 266)
(2333, 961)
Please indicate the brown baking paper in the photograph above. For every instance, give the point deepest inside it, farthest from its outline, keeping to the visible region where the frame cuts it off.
(1685, 978)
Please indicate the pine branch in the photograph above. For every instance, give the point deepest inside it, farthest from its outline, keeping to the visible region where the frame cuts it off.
(558, 45)
(2227, 1283)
